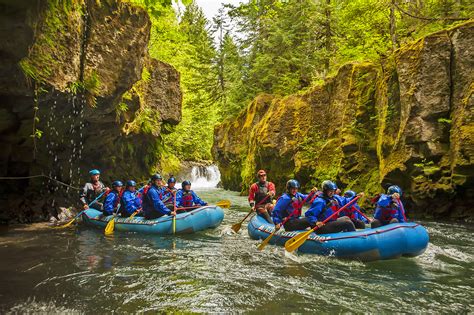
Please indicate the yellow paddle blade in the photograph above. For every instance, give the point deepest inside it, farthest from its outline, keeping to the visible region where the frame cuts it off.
(65, 225)
(109, 229)
(265, 241)
(296, 241)
(236, 227)
(223, 204)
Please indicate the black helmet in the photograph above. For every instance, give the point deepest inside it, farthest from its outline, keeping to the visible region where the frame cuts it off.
(131, 183)
(292, 183)
(171, 180)
(328, 185)
(394, 189)
(185, 183)
(117, 183)
(155, 177)
(349, 194)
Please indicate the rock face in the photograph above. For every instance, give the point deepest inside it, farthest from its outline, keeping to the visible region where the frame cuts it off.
(406, 121)
(78, 75)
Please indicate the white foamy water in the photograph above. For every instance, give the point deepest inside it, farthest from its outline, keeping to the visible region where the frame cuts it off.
(205, 176)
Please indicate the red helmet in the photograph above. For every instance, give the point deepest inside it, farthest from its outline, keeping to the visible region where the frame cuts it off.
(261, 172)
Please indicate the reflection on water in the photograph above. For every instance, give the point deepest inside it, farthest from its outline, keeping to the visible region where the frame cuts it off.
(81, 270)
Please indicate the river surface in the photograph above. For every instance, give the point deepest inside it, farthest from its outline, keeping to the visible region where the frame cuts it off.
(80, 270)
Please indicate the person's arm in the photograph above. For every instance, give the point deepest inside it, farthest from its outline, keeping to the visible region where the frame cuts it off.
(179, 198)
(252, 195)
(313, 212)
(280, 207)
(109, 203)
(400, 213)
(83, 196)
(271, 189)
(158, 205)
(198, 200)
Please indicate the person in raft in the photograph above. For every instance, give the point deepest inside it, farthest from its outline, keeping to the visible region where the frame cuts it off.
(153, 207)
(261, 195)
(353, 211)
(113, 198)
(92, 190)
(389, 208)
(185, 197)
(169, 193)
(324, 206)
(289, 205)
(130, 201)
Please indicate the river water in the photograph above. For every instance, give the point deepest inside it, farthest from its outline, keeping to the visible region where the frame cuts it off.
(80, 270)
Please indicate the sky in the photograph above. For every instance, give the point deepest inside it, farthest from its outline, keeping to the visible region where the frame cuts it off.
(210, 7)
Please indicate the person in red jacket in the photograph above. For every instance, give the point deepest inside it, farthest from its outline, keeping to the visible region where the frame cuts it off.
(261, 196)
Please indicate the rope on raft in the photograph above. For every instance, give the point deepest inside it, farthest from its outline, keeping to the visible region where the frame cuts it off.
(42, 175)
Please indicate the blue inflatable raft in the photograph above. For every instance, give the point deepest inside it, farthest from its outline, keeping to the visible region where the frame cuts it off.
(186, 223)
(386, 242)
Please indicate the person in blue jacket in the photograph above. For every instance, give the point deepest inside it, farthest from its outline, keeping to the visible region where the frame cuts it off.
(113, 198)
(153, 207)
(323, 207)
(185, 197)
(289, 206)
(130, 201)
(169, 193)
(353, 211)
(389, 208)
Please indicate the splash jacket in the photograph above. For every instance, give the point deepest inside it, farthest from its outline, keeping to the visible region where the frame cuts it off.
(352, 212)
(130, 203)
(111, 202)
(286, 205)
(152, 205)
(323, 207)
(387, 210)
(258, 191)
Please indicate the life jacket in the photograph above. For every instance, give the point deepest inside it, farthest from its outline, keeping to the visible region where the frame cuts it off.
(297, 203)
(262, 192)
(332, 204)
(349, 212)
(168, 199)
(187, 199)
(118, 199)
(389, 212)
(375, 199)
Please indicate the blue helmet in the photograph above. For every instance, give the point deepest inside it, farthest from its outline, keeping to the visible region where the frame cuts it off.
(349, 194)
(394, 189)
(292, 183)
(131, 183)
(155, 177)
(171, 180)
(94, 172)
(185, 183)
(328, 185)
(117, 183)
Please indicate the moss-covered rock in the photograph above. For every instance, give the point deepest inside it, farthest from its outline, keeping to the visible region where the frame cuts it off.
(81, 93)
(406, 121)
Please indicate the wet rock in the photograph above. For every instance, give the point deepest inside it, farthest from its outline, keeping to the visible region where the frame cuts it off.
(407, 123)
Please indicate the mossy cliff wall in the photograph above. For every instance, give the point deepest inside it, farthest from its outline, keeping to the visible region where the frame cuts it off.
(78, 90)
(406, 120)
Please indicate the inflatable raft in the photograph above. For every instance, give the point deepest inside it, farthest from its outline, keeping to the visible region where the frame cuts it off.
(386, 242)
(187, 222)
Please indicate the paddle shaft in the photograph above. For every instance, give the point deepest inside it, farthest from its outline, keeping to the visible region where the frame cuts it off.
(253, 208)
(400, 204)
(350, 203)
(298, 209)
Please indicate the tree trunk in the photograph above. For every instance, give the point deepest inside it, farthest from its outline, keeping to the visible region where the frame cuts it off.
(393, 26)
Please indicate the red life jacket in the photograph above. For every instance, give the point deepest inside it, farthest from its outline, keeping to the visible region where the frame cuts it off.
(389, 212)
(187, 199)
(297, 203)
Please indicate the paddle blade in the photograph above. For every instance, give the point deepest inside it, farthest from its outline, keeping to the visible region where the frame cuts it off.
(236, 227)
(223, 204)
(109, 229)
(296, 241)
(265, 241)
(65, 225)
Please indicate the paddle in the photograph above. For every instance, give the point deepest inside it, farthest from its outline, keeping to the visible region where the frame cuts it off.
(236, 227)
(362, 214)
(79, 214)
(109, 229)
(296, 241)
(269, 237)
(400, 204)
(134, 214)
(223, 204)
(174, 210)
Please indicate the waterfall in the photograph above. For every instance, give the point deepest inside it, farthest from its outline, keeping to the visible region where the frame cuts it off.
(205, 176)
